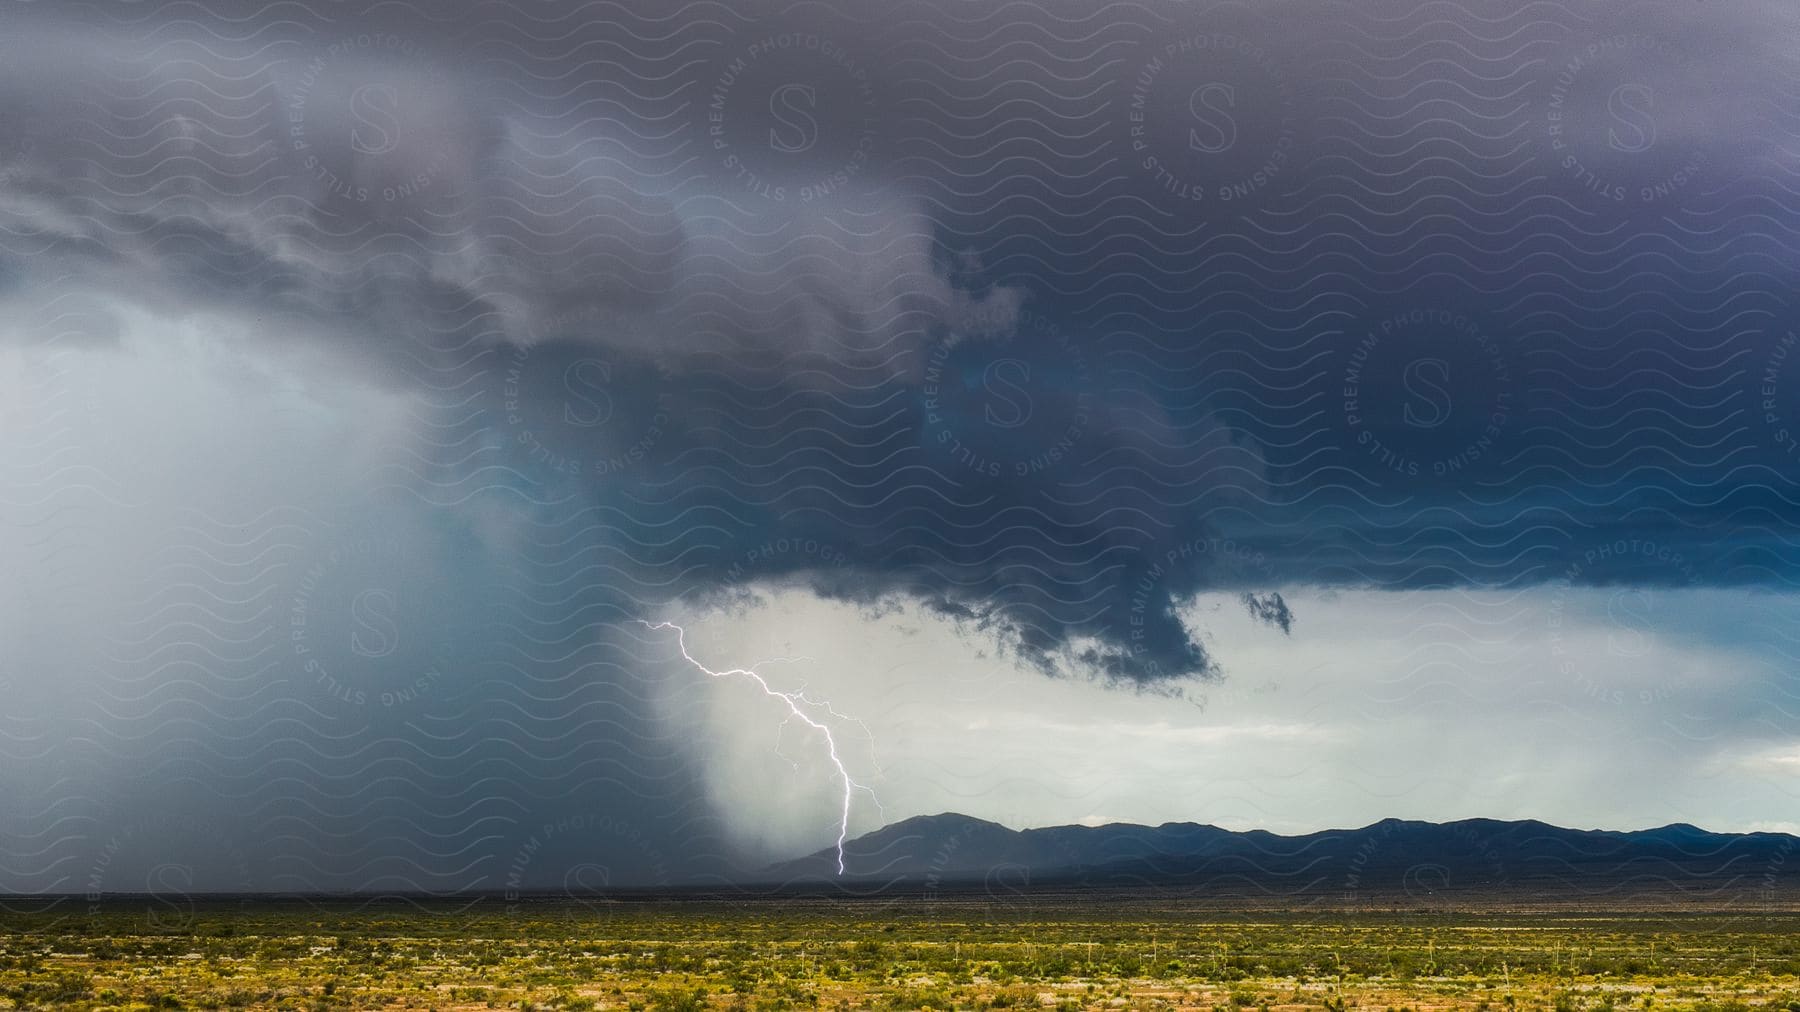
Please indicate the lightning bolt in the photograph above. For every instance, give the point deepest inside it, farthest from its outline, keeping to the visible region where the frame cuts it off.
(795, 712)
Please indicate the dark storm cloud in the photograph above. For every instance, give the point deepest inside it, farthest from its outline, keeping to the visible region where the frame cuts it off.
(679, 202)
(676, 201)
(555, 226)
(1043, 317)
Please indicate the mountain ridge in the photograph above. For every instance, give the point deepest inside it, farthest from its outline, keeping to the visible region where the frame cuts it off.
(1389, 857)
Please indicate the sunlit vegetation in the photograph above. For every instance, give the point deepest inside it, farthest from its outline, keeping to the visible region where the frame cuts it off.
(769, 955)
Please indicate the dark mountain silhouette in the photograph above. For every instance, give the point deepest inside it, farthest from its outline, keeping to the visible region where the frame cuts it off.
(1387, 861)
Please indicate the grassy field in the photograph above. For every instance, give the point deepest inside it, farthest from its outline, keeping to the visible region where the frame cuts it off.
(937, 954)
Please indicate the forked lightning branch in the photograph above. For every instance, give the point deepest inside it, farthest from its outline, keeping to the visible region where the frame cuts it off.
(797, 705)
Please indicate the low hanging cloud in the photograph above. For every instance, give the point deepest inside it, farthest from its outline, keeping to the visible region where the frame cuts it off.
(427, 217)
(586, 315)
(292, 194)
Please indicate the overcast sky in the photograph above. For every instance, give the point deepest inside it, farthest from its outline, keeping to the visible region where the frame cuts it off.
(1281, 415)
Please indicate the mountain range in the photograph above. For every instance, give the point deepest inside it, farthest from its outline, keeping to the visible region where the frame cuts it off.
(1390, 861)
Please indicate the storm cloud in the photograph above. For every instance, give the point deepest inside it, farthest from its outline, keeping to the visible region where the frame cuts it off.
(378, 372)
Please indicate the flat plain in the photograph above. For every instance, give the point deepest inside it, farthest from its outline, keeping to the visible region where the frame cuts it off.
(921, 952)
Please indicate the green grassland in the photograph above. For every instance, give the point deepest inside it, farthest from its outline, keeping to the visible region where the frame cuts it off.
(912, 954)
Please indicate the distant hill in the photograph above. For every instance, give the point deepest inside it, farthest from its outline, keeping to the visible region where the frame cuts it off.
(1388, 862)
